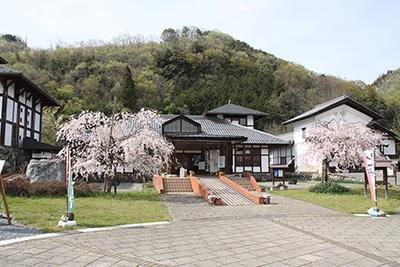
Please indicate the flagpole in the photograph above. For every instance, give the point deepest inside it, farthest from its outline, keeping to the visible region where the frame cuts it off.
(376, 195)
(67, 173)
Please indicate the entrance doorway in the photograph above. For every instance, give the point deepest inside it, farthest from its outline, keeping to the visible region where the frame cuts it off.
(190, 161)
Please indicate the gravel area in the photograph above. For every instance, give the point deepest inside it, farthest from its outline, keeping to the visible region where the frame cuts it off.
(16, 230)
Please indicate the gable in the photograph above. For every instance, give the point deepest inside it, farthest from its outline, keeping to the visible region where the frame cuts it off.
(327, 106)
(181, 124)
(346, 113)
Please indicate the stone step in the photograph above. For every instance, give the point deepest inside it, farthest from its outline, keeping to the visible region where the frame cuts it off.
(243, 182)
(177, 185)
(228, 195)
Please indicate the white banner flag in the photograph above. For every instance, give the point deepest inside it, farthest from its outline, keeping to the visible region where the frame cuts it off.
(369, 163)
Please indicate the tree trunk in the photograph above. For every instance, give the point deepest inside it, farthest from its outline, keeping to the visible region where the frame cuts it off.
(107, 184)
(325, 167)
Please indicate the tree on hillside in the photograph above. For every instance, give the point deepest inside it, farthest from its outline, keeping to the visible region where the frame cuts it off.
(99, 145)
(340, 142)
(11, 43)
(128, 95)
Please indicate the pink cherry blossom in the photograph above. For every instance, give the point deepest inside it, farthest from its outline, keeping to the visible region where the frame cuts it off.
(340, 142)
(134, 142)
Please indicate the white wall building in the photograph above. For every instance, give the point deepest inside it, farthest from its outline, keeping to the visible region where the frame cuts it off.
(342, 108)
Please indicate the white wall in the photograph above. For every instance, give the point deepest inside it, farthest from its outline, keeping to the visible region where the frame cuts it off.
(346, 113)
(37, 121)
(11, 90)
(250, 121)
(391, 149)
(10, 110)
(264, 160)
(8, 135)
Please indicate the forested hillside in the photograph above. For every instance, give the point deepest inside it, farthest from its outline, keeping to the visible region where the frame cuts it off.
(188, 71)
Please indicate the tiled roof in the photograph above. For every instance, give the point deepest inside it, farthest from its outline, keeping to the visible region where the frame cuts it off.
(343, 100)
(4, 69)
(232, 109)
(212, 127)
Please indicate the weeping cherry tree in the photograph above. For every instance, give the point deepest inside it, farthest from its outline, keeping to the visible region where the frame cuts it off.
(100, 144)
(340, 142)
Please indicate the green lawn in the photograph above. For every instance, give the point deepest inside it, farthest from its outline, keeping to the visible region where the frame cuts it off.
(98, 211)
(353, 202)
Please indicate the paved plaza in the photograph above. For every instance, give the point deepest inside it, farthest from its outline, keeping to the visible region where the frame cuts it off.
(287, 232)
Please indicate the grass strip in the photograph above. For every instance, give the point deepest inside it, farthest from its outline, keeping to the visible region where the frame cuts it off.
(353, 202)
(102, 209)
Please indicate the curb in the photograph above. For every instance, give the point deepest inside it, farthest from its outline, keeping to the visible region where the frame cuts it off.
(80, 231)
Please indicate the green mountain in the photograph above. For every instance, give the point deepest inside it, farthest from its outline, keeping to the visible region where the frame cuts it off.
(188, 71)
(387, 87)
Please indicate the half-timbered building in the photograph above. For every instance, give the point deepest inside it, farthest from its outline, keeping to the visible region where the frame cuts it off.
(21, 104)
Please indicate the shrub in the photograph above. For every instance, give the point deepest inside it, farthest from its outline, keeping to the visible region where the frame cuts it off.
(16, 187)
(329, 188)
(21, 187)
(53, 189)
(83, 189)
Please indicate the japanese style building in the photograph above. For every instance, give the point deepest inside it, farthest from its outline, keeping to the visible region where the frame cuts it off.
(223, 139)
(21, 103)
(341, 108)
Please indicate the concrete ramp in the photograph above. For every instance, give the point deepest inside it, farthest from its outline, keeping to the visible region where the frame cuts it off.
(228, 195)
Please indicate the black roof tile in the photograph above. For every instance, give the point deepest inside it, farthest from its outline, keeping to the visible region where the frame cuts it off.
(232, 109)
(212, 127)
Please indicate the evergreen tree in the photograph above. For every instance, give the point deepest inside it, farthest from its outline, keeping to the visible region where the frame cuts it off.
(128, 96)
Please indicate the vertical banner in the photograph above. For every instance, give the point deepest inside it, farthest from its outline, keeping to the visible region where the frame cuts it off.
(70, 184)
(214, 154)
(369, 163)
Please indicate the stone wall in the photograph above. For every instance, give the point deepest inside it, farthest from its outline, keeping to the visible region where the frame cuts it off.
(46, 170)
(14, 157)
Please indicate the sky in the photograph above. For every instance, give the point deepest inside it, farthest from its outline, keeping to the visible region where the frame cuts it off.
(350, 39)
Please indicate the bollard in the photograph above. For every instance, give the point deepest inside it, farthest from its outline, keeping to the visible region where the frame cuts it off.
(267, 198)
(211, 199)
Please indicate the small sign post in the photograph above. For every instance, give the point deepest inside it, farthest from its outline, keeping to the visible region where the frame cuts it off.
(69, 220)
(3, 192)
(70, 183)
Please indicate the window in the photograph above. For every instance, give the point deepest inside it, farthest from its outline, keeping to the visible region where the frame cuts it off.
(243, 121)
(181, 125)
(249, 156)
(248, 160)
(239, 160)
(304, 133)
(281, 155)
(172, 127)
(188, 127)
(257, 160)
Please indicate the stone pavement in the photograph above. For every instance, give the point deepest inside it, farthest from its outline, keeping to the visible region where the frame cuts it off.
(286, 233)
